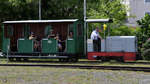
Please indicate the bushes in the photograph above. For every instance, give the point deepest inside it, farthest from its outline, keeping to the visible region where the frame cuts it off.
(143, 35)
(146, 50)
(122, 31)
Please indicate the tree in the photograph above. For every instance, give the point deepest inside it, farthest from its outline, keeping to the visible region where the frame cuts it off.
(114, 9)
(145, 26)
(18, 9)
(146, 50)
(108, 9)
(143, 35)
(62, 9)
(51, 9)
(123, 31)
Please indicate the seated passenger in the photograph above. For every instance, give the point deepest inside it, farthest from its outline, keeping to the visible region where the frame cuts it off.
(36, 42)
(37, 45)
(70, 35)
(32, 36)
(59, 42)
(51, 35)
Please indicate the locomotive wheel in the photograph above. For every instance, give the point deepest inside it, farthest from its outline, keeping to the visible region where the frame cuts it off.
(120, 59)
(105, 59)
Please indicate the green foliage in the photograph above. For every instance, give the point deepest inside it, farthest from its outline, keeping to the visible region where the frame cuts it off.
(145, 25)
(119, 31)
(18, 9)
(146, 50)
(123, 31)
(62, 9)
(108, 9)
(143, 34)
(51, 9)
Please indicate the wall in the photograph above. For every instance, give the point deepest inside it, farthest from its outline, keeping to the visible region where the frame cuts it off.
(137, 10)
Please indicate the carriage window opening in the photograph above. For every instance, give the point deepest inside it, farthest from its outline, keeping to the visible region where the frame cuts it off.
(10, 30)
(48, 30)
(26, 31)
(70, 30)
(79, 30)
(70, 27)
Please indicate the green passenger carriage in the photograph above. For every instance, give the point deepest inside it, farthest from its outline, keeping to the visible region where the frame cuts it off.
(17, 45)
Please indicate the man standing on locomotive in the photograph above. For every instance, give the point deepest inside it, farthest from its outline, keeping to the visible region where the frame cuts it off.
(96, 40)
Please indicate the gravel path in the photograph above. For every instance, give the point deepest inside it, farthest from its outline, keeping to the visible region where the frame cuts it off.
(40, 75)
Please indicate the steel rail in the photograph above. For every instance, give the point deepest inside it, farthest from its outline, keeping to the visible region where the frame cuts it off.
(127, 68)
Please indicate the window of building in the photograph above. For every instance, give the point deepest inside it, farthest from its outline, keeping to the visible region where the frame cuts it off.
(147, 0)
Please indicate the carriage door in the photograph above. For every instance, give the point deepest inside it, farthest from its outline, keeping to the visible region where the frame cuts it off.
(80, 38)
(71, 48)
(49, 45)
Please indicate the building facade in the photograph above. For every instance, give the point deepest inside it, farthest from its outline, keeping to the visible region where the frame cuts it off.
(136, 10)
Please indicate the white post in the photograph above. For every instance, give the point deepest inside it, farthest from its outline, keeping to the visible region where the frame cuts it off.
(8, 47)
(85, 10)
(39, 9)
(85, 35)
(105, 40)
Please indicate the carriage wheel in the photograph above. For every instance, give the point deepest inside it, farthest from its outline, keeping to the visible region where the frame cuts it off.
(11, 59)
(18, 59)
(61, 60)
(74, 59)
(25, 59)
(66, 60)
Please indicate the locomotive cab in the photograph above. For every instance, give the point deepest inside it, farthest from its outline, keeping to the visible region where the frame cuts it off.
(120, 48)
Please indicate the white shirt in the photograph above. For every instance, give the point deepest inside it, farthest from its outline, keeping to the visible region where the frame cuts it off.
(95, 35)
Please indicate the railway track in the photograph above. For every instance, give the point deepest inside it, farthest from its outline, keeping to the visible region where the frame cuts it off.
(127, 68)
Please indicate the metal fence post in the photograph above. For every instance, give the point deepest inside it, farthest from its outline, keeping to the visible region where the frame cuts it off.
(7, 53)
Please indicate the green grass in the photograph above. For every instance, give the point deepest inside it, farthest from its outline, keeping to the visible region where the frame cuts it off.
(45, 75)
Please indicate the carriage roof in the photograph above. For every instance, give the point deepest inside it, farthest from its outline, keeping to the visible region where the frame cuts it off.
(62, 20)
(98, 20)
(40, 21)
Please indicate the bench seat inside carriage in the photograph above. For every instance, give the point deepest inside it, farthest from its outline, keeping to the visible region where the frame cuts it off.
(16, 33)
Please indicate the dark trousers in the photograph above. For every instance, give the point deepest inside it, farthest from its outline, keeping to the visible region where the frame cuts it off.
(97, 45)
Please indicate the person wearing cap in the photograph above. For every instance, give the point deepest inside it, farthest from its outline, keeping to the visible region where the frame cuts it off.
(96, 40)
